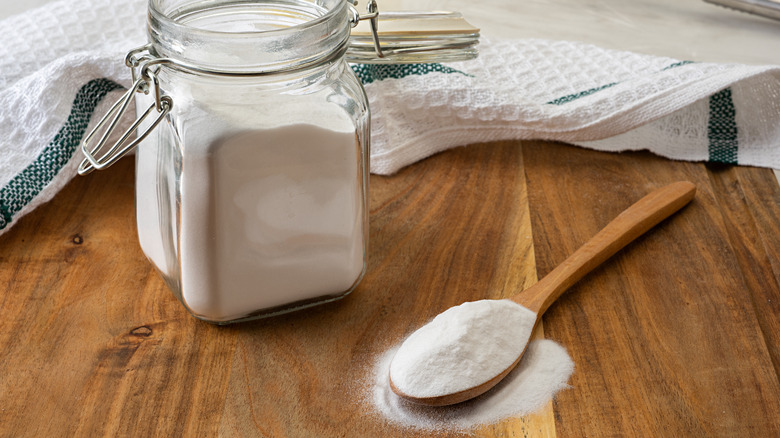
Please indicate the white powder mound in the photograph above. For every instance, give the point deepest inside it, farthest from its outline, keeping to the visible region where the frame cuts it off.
(543, 371)
(462, 347)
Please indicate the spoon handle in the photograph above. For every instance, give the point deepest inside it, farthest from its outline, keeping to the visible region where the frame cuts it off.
(630, 224)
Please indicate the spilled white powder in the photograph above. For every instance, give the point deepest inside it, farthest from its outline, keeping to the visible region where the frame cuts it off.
(462, 347)
(544, 370)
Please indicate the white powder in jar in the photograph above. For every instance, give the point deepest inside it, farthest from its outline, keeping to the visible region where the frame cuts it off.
(252, 193)
(271, 209)
(270, 217)
(461, 348)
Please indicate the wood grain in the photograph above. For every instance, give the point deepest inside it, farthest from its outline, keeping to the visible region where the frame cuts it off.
(92, 340)
(680, 350)
(93, 344)
(750, 202)
(631, 223)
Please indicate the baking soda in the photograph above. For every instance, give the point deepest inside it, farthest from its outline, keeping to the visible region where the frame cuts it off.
(544, 370)
(464, 347)
(270, 217)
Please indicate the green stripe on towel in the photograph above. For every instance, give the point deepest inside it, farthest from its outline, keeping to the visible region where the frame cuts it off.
(24, 187)
(575, 96)
(368, 73)
(677, 64)
(722, 128)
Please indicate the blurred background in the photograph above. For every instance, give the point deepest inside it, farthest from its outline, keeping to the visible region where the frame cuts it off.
(683, 29)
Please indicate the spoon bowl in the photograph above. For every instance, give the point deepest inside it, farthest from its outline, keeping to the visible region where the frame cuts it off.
(625, 228)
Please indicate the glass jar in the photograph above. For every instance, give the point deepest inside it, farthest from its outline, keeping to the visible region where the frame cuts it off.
(252, 171)
(251, 195)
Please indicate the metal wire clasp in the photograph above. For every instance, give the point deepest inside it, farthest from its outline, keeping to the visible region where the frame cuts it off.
(145, 81)
(372, 14)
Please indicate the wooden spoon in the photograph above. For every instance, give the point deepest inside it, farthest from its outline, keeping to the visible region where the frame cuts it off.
(630, 224)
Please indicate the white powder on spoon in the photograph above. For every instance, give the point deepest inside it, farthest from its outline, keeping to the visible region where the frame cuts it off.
(497, 327)
(462, 347)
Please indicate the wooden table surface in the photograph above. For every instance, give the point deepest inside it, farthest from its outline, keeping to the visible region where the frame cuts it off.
(677, 335)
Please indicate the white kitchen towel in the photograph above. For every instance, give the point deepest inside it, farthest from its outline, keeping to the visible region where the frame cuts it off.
(63, 63)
